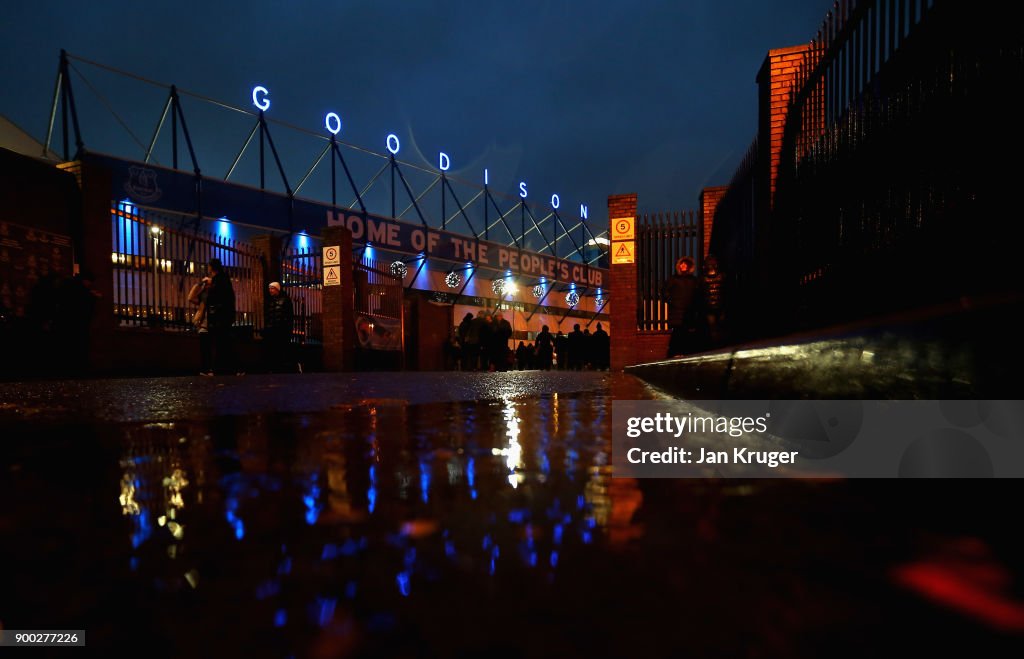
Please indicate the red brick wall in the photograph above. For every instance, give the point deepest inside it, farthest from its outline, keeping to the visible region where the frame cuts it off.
(776, 79)
(339, 307)
(623, 287)
(709, 198)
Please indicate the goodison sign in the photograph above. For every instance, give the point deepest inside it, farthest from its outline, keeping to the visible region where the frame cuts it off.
(332, 122)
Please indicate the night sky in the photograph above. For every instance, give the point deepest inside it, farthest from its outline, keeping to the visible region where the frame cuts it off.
(583, 99)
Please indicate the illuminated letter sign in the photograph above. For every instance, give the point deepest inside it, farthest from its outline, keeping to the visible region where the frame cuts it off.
(444, 163)
(583, 212)
(486, 178)
(261, 97)
(393, 138)
(333, 123)
(522, 189)
(555, 201)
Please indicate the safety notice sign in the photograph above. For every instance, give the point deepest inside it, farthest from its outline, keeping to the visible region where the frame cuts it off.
(332, 255)
(622, 228)
(332, 275)
(623, 253)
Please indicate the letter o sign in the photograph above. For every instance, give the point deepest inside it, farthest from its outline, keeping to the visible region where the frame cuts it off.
(393, 140)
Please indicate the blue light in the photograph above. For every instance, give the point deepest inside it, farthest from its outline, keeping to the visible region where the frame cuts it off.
(371, 494)
(332, 117)
(224, 227)
(403, 583)
(280, 618)
(554, 558)
(369, 251)
(303, 240)
(260, 97)
(326, 612)
(424, 481)
(126, 206)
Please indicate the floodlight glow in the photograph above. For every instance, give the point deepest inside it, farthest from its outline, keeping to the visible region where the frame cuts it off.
(336, 128)
(393, 137)
(555, 201)
(261, 97)
(443, 162)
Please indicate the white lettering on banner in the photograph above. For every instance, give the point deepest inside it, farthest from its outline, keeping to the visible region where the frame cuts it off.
(418, 240)
(403, 237)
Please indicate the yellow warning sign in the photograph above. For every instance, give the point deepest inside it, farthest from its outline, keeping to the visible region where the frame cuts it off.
(622, 229)
(623, 253)
(332, 275)
(332, 255)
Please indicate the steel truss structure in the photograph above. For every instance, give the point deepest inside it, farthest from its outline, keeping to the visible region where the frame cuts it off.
(481, 216)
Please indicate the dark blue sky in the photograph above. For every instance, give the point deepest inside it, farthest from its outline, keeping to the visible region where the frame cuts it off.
(583, 99)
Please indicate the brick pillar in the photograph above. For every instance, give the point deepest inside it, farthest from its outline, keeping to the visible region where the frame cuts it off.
(339, 306)
(623, 286)
(709, 198)
(775, 84)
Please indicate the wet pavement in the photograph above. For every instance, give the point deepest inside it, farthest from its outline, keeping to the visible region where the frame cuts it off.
(456, 515)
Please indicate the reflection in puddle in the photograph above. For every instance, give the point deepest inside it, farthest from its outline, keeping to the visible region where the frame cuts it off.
(312, 520)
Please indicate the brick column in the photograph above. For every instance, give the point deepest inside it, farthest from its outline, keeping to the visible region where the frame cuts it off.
(623, 286)
(339, 306)
(709, 198)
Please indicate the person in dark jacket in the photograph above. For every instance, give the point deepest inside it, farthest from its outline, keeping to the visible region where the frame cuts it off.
(522, 356)
(220, 316)
(576, 348)
(544, 349)
(277, 333)
(562, 350)
(602, 349)
(502, 333)
(681, 293)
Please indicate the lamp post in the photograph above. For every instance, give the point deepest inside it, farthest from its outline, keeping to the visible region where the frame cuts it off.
(155, 232)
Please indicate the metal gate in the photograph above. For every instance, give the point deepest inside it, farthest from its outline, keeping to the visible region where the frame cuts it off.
(661, 239)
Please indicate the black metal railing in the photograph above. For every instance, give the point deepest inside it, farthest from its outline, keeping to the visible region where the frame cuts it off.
(661, 239)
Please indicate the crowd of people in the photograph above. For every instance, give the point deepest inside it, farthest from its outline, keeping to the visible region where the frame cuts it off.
(482, 343)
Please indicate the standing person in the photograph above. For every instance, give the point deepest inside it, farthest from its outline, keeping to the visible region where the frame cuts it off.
(522, 358)
(197, 297)
(76, 304)
(680, 291)
(588, 360)
(711, 290)
(602, 349)
(544, 347)
(461, 334)
(502, 335)
(220, 316)
(562, 350)
(280, 318)
(576, 347)
(486, 339)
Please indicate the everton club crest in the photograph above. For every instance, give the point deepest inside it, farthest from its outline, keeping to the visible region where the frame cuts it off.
(141, 184)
